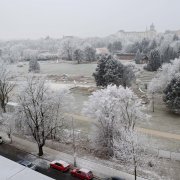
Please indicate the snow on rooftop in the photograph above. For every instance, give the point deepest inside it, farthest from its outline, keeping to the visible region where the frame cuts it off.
(65, 164)
(84, 170)
(10, 170)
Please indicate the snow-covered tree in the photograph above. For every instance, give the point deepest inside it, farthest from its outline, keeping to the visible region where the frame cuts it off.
(67, 50)
(110, 71)
(112, 108)
(40, 110)
(154, 61)
(164, 76)
(152, 45)
(172, 94)
(6, 87)
(78, 55)
(89, 54)
(175, 37)
(115, 46)
(138, 57)
(116, 111)
(8, 124)
(34, 66)
(169, 54)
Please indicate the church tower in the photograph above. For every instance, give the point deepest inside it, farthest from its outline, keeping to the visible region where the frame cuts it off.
(152, 27)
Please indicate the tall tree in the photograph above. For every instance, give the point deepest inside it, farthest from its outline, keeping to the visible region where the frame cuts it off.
(154, 61)
(90, 54)
(40, 110)
(34, 66)
(78, 55)
(116, 111)
(110, 71)
(67, 50)
(172, 95)
(6, 86)
(115, 46)
(138, 57)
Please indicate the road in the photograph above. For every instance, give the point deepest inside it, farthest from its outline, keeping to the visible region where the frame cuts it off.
(15, 154)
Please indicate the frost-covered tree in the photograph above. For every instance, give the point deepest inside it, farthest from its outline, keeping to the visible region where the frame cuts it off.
(164, 76)
(154, 61)
(172, 94)
(175, 37)
(169, 54)
(6, 86)
(89, 54)
(114, 109)
(40, 111)
(115, 46)
(152, 45)
(67, 50)
(110, 71)
(138, 57)
(78, 55)
(34, 66)
(8, 124)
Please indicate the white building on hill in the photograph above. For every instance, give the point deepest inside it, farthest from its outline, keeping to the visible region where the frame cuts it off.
(148, 33)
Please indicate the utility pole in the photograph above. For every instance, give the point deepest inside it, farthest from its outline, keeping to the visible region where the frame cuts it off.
(74, 145)
(153, 101)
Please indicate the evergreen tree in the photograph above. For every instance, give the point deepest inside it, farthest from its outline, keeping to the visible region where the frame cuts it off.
(154, 61)
(110, 71)
(169, 54)
(172, 95)
(138, 57)
(175, 37)
(34, 66)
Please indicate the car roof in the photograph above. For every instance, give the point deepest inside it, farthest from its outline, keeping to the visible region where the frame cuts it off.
(65, 164)
(84, 170)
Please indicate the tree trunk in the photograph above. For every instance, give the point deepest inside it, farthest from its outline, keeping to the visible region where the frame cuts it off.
(3, 106)
(135, 172)
(40, 150)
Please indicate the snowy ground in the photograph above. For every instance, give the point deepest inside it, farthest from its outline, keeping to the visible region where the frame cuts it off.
(161, 119)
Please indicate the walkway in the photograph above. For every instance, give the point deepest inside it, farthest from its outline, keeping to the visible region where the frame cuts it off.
(142, 130)
(99, 170)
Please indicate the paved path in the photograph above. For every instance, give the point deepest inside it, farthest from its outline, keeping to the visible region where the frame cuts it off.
(158, 133)
(99, 170)
(142, 130)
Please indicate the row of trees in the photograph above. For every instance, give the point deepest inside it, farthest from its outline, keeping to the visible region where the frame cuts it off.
(156, 52)
(71, 52)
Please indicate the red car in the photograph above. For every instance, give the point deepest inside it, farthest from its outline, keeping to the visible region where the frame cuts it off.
(84, 174)
(60, 165)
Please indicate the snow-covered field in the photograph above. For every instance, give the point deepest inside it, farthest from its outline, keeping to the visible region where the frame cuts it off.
(54, 68)
(161, 119)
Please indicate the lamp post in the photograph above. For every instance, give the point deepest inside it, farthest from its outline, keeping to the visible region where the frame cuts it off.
(153, 101)
(74, 146)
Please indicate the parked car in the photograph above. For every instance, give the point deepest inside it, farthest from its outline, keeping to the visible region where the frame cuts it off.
(114, 178)
(28, 164)
(1, 140)
(84, 174)
(60, 165)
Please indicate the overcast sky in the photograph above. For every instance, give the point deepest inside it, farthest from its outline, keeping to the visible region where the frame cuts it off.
(85, 18)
